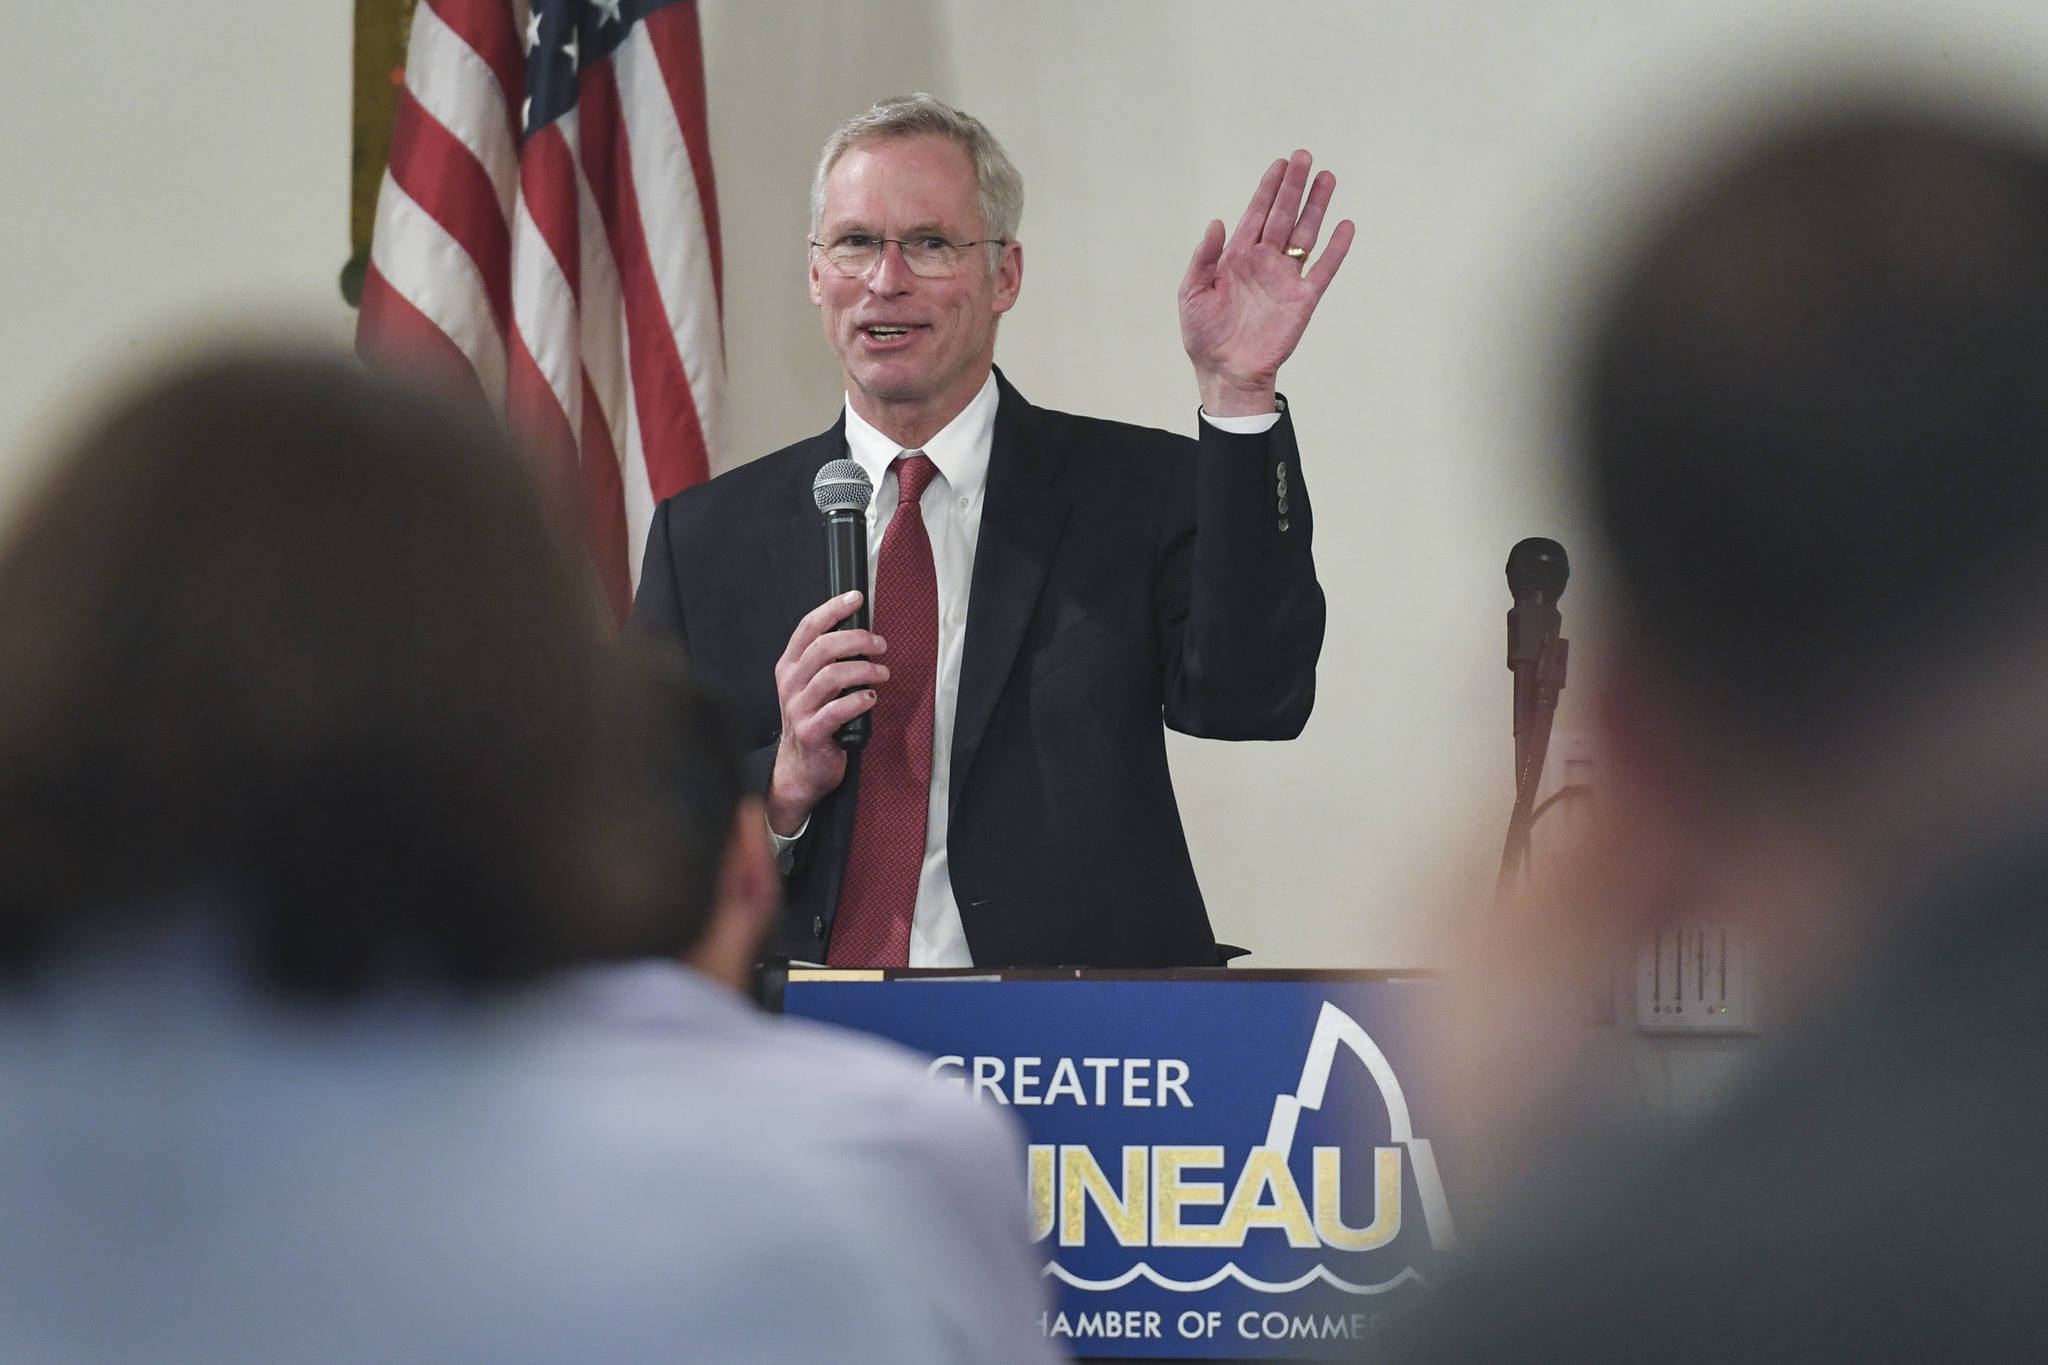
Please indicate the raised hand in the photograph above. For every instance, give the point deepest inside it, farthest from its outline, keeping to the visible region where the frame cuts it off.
(814, 669)
(1244, 304)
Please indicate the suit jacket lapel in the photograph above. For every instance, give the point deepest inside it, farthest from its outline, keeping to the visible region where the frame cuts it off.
(1021, 521)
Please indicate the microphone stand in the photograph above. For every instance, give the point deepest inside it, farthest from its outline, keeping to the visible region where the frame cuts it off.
(1537, 683)
(1537, 573)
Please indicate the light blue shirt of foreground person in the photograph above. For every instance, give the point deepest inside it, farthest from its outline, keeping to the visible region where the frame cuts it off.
(626, 1165)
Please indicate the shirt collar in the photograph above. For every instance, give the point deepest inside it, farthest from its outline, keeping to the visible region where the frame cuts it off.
(960, 450)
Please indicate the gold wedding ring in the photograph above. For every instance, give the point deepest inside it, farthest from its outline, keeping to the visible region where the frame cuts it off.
(1294, 253)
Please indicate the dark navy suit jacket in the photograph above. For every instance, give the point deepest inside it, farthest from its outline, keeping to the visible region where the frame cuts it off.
(1098, 613)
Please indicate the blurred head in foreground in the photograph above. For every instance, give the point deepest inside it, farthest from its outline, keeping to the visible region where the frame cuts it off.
(721, 905)
(303, 647)
(1815, 430)
(310, 730)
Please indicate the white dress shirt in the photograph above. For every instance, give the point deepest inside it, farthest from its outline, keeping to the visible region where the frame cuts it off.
(951, 506)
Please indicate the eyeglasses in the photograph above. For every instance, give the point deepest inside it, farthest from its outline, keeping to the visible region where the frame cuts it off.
(928, 257)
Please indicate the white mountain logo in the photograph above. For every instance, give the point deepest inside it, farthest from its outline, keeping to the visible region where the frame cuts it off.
(1265, 1173)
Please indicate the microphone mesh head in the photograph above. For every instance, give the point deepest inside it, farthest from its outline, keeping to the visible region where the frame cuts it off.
(1539, 564)
(842, 486)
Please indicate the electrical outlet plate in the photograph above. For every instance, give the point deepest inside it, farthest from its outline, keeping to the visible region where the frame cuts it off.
(1695, 978)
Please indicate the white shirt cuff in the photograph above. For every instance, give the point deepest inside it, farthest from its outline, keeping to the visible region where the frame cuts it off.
(1257, 424)
(785, 848)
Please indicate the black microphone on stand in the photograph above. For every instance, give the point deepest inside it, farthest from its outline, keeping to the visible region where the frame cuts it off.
(1537, 573)
(842, 491)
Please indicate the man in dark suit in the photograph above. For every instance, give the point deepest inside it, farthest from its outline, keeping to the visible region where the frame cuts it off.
(1048, 590)
(1816, 432)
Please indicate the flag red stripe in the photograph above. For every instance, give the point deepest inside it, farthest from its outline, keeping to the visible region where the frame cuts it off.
(604, 508)
(444, 178)
(533, 411)
(488, 27)
(671, 432)
(393, 335)
(547, 186)
(679, 49)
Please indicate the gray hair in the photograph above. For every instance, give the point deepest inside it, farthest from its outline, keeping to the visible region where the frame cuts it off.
(1001, 188)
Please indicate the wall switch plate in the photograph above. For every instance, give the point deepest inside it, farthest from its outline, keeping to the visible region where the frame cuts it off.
(1695, 978)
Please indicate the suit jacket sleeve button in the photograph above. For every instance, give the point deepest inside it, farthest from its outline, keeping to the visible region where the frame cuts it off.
(817, 926)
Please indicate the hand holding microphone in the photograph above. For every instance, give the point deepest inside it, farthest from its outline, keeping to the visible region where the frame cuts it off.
(825, 679)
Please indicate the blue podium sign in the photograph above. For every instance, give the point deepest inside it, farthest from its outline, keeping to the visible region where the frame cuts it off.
(1219, 1168)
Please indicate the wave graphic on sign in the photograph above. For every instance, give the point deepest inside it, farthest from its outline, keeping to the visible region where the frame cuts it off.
(1229, 1272)
(1334, 1028)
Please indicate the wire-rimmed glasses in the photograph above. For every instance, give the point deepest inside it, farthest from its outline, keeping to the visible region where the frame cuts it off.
(927, 255)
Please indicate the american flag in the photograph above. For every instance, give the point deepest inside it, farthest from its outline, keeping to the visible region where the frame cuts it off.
(547, 235)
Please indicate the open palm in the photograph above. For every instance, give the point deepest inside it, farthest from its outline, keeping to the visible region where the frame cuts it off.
(1245, 303)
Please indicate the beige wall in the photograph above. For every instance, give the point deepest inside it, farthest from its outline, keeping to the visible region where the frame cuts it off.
(188, 164)
(165, 168)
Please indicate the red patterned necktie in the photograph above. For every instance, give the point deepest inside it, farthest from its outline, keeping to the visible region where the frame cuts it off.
(878, 894)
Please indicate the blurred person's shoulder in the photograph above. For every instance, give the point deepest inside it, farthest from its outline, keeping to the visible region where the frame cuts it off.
(899, 1203)
(632, 1147)
(791, 1075)
(1874, 1192)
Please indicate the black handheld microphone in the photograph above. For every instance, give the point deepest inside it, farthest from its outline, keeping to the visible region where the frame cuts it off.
(1537, 573)
(842, 491)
